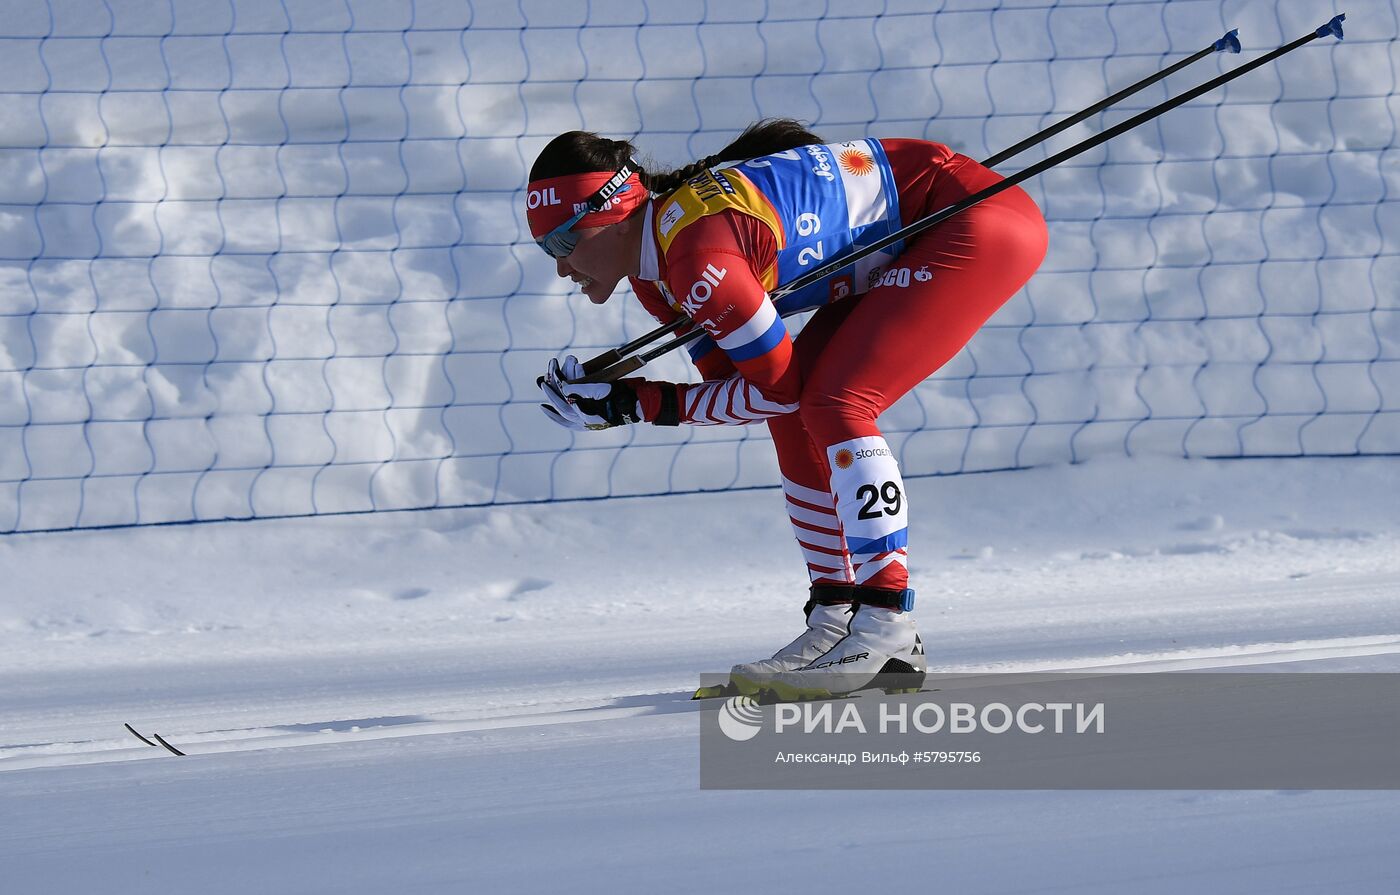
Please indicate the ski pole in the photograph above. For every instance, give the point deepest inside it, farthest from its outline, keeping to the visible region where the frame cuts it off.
(1334, 27)
(1230, 42)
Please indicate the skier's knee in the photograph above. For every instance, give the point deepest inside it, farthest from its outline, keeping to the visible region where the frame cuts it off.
(822, 409)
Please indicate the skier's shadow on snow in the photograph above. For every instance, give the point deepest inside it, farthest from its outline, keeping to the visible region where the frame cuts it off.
(658, 703)
(351, 724)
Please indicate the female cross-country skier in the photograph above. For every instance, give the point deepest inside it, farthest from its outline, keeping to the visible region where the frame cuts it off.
(710, 242)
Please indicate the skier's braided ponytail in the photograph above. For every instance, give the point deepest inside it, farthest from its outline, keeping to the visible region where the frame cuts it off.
(661, 184)
(578, 152)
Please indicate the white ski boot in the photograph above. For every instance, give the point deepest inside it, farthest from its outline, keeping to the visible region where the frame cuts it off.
(828, 613)
(882, 649)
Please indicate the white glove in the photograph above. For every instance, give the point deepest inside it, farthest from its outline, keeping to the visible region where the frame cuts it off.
(586, 405)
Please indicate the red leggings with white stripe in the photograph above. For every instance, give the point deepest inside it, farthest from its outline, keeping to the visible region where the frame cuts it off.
(857, 357)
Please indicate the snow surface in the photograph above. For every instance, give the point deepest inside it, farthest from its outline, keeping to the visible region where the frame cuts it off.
(494, 699)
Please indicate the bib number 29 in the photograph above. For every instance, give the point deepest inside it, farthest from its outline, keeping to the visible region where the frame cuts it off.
(888, 494)
(807, 224)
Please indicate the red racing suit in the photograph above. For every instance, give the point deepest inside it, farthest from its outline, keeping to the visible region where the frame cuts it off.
(822, 392)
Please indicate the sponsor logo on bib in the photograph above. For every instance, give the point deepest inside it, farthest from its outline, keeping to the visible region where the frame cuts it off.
(670, 217)
(853, 161)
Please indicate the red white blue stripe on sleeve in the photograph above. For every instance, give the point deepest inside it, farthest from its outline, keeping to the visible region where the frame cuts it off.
(700, 347)
(760, 334)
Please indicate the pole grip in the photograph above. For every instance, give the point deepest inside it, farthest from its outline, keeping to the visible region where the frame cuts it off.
(618, 369)
(601, 362)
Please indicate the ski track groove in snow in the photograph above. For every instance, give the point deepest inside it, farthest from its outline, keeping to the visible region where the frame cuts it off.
(49, 755)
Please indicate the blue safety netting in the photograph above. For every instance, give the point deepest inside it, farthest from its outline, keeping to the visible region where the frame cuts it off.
(266, 258)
